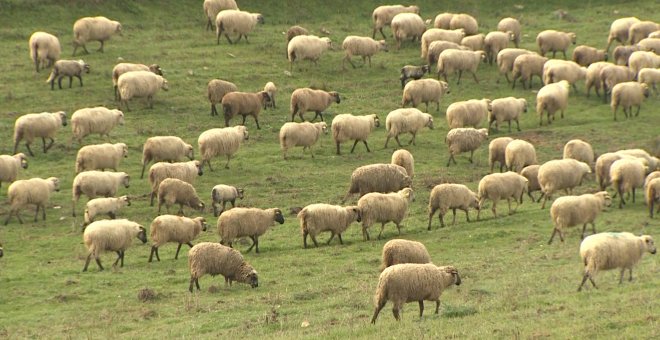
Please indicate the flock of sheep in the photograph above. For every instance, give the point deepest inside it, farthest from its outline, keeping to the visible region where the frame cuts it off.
(454, 45)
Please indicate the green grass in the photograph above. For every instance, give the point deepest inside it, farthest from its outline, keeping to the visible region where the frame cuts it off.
(514, 285)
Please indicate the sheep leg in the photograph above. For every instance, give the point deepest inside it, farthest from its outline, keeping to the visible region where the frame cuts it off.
(36, 214)
(305, 233)
(254, 242)
(633, 190)
(467, 214)
(193, 280)
(387, 141)
(545, 198)
(118, 258)
(257, 122)
(508, 201)
(471, 154)
(70, 81)
(101, 48)
(593, 227)
(554, 231)
(494, 208)
(230, 42)
(59, 82)
(80, 78)
(413, 140)
(314, 240)
(396, 312)
(584, 279)
(453, 220)
(451, 157)
(176, 256)
(9, 216)
(517, 125)
(89, 257)
(365, 233)
(431, 213)
(621, 275)
(338, 151)
(474, 75)
(151, 254)
(332, 235)
(637, 113)
(340, 240)
(630, 278)
(226, 164)
(421, 308)
(214, 110)
(380, 306)
(460, 73)
(382, 228)
(398, 142)
(354, 144)
(366, 145)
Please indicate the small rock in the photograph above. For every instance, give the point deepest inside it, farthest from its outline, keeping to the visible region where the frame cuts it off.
(304, 324)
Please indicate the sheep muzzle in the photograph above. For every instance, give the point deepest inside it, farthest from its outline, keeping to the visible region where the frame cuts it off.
(457, 278)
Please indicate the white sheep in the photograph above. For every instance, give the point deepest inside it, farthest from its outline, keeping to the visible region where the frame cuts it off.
(295, 31)
(97, 184)
(136, 84)
(408, 120)
(111, 235)
(185, 171)
(9, 166)
(641, 30)
(570, 211)
(527, 66)
(653, 163)
(469, 113)
(653, 194)
(216, 90)
(35, 125)
(438, 34)
(407, 25)
(592, 78)
(307, 47)
(552, 98)
(234, 21)
(303, 134)
(213, 7)
(464, 139)
(382, 16)
(466, 22)
(551, 40)
(580, 150)
(93, 29)
(244, 104)
(399, 251)
(638, 60)
(506, 110)
(376, 207)
(619, 30)
(653, 35)
(412, 72)
(212, 258)
(443, 20)
(221, 194)
(627, 95)
(122, 68)
(495, 42)
(347, 127)
(506, 58)
(473, 42)
(451, 61)
(221, 142)
(561, 174)
(175, 191)
(451, 196)
(606, 251)
(271, 89)
(104, 205)
(621, 54)
(585, 55)
(519, 154)
(531, 172)
(67, 68)
(508, 185)
(100, 156)
(510, 25)
(178, 229)
(165, 149)
(247, 222)
(30, 191)
(612, 75)
(320, 217)
(424, 91)
(45, 49)
(405, 159)
(563, 70)
(377, 178)
(89, 120)
(361, 46)
(306, 99)
(650, 77)
(649, 44)
(496, 150)
(627, 174)
(436, 47)
(603, 164)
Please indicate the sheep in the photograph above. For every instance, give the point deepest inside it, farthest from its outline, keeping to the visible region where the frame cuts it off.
(303, 134)
(408, 120)
(437, 34)
(213, 7)
(306, 99)
(499, 186)
(171, 228)
(376, 207)
(495, 42)
(104, 205)
(527, 66)
(111, 235)
(410, 282)
(621, 54)
(496, 150)
(436, 47)
(405, 25)
(652, 194)
(165, 149)
(473, 42)
(135, 84)
(320, 217)
(185, 171)
(34, 125)
(464, 139)
(9, 166)
(531, 172)
(612, 75)
(97, 184)
(650, 77)
(250, 222)
(653, 163)
(122, 68)
(592, 78)
(585, 55)
(653, 35)
(510, 25)
(45, 49)
(295, 31)
(519, 154)
(551, 40)
(570, 211)
(627, 95)
(216, 90)
(89, 120)
(466, 22)
(347, 127)
(244, 104)
(641, 30)
(563, 70)
(271, 89)
(603, 164)
(405, 159)
(469, 113)
(399, 251)
(561, 174)
(377, 178)
(222, 194)
(93, 29)
(424, 91)
(361, 46)
(221, 142)
(382, 16)
(451, 61)
(552, 98)
(606, 251)
(627, 174)
(451, 196)
(638, 60)
(100, 156)
(649, 44)
(506, 58)
(412, 72)
(619, 30)
(30, 191)
(307, 47)
(212, 258)
(443, 20)
(234, 21)
(175, 191)
(506, 110)
(580, 150)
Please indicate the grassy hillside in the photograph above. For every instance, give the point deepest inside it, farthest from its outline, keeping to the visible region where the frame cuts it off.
(514, 285)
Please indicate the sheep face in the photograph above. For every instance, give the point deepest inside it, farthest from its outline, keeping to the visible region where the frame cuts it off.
(190, 152)
(645, 90)
(648, 243)
(573, 37)
(198, 165)
(56, 183)
(142, 235)
(24, 162)
(429, 123)
(164, 86)
(260, 19)
(125, 181)
(254, 279)
(124, 150)
(246, 136)
(84, 66)
(605, 196)
(452, 270)
(382, 45)
(278, 216)
(376, 121)
(63, 117)
(240, 193)
(127, 200)
(155, 68)
(335, 95)
(120, 118)
(358, 214)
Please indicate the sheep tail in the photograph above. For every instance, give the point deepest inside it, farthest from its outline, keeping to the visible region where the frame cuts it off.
(302, 216)
(52, 75)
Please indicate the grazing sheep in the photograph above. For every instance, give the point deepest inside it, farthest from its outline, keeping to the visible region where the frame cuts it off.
(409, 120)
(171, 228)
(499, 186)
(554, 41)
(405, 159)
(496, 150)
(303, 134)
(450, 61)
(552, 98)
(104, 205)
(295, 31)
(451, 196)
(436, 47)
(34, 125)
(621, 54)
(100, 156)
(89, 120)
(271, 89)
(412, 72)
(212, 258)
(361, 46)
(424, 91)
(320, 217)
(93, 29)
(136, 84)
(506, 110)
(603, 164)
(570, 211)
(506, 58)
(443, 20)
(627, 95)
(97, 184)
(464, 139)
(585, 55)
(9, 166)
(221, 194)
(122, 68)
(652, 194)
(465, 22)
(45, 49)
(531, 172)
(244, 104)
(234, 21)
(627, 174)
(580, 150)
(67, 68)
(592, 78)
(30, 191)
(510, 25)
(307, 47)
(619, 30)
(653, 163)
(473, 42)
(347, 127)
(399, 251)
(641, 30)
(175, 191)
(185, 171)
(216, 90)
(637, 61)
(469, 113)
(407, 25)
(649, 44)
(612, 75)
(250, 222)
(165, 149)
(650, 77)
(437, 34)
(410, 282)
(306, 99)
(378, 178)
(561, 174)
(563, 70)
(527, 66)
(213, 7)
(519, 154)
(606, 251)
(111, 235)
(495, 42)
(382, 16)
(376, 207)
(221, 142)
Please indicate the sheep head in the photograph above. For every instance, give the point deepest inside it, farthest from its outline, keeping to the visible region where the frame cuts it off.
(62, 115)
(199, 167)
(376, 121)
(452, 270)
(142, 234)
(126, 199)
(164, 86)
(335, 95)
(202, 222)
(278, 215)
(155, 68)
(124, 149)
(645, 90)
(118, 28)
(382, 45)
(573, 37)
(259, 18)
(190, 152)
(429, 121)
(240, 192)
(120, 117)
(125, 179)
(56, 183)
(648, 243)
(23, 159)
(254, 279)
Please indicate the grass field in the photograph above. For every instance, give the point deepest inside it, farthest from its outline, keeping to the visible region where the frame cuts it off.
(514, 285)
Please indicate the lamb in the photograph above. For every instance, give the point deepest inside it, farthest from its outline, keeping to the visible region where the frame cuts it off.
(320, 217)
(519, 154)
(295, 31)
(499, 186)
(593, 76)
(510, 25)
(606, 251)
(30, 191)
(171, 228)
(303, 134)
(271, 89)
(410, 282)
(100, 156)
(381, 208)
(9, 166)
(45, 49)
(405, 25)
(469, 113)
(495, 42)
(212, 258)
(250, 222)
(216, 90)
(641, 30)
(244, 104)
(563, 70)
(506, 110)
(627, 95)
(378, 178)
(122, 68)
(496, 150)
(551, 40)
(175, 191)
(409, 120)
(473, 42)
(405, 159)
(650, 77)
(570, 211)
(451, 61)
(627, 174)
(436, 47)
(580, 150)
(443, 20)
(585, 55)
(451, 196)
(506, 58)
(234, 21)
(465, 22)
(382, 16)
(527, 66)
(185, 171)
(104, 205)
(307, 47)
(552, 98)
(213, 7)
(612, 75)
(561, 174)
(531, 172)
(89, 120)
(424, 91)
(637, 61)
(306, 99)
(221, 142)
(97, 184)
(165, 149)
(464, 139)
(111, 235)
(621, 54)
(437, 34)
(347, 127)
(603, 164)
(412, 72)
(34, 125)
(361, 46)
(136, 84)
(93, 29)
(619, 30)
(652, 194)
(221, 194)
(399, 251)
